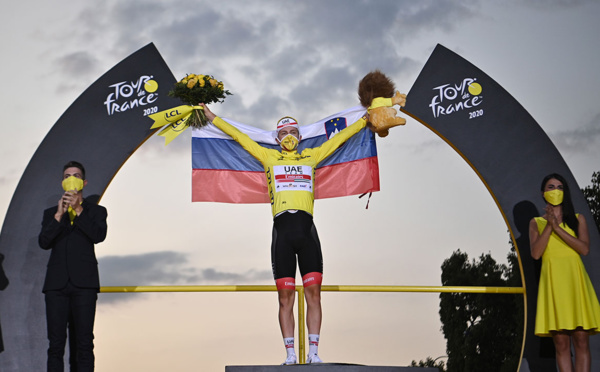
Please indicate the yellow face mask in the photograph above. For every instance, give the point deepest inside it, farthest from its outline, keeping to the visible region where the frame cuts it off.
(289, 142)
(554, 197)
(72, 183)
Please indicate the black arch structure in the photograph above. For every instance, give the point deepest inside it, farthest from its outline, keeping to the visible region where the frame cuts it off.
(489, 129)
(511, 154)
(100, 136)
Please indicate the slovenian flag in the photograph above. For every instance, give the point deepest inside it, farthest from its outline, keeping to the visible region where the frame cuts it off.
(222, 171)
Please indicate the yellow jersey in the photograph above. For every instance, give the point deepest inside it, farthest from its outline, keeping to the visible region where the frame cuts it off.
(290, 175)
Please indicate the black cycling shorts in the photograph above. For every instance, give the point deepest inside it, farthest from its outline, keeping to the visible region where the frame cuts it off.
(295, 234)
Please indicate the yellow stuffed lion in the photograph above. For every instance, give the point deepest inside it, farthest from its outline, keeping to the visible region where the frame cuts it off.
(378, 94)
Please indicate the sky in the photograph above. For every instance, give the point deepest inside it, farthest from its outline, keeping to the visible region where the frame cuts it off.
(304, 59)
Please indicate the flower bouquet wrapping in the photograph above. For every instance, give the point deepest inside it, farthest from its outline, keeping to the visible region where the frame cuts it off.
(194, 89)
(191, 90)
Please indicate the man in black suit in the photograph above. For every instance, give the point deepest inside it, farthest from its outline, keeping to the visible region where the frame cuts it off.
(70, 230)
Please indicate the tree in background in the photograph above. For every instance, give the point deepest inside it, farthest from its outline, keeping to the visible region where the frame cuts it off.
(592, 194)
(484, 332)
(429, 362)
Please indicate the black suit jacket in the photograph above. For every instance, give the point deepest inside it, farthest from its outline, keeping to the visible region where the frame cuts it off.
(73, 257)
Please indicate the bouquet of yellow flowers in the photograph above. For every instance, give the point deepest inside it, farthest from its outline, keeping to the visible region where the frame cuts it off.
(194, 89)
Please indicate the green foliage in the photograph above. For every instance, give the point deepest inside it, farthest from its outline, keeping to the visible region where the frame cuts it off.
(483, 331)
(430, 362)
(592, 194)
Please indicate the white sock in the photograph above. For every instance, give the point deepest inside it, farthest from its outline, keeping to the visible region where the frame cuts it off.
(289, 345)
(313, 344)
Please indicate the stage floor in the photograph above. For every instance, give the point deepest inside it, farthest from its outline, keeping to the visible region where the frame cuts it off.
(327, 367)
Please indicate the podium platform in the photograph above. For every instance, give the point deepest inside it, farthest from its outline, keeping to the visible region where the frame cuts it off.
(327, 367)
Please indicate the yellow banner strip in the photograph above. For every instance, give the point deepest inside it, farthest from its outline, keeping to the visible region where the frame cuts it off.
(172, 115)
(325, 288)
(174, 121)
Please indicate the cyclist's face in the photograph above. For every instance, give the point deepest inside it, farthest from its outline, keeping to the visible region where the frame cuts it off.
(288, 130)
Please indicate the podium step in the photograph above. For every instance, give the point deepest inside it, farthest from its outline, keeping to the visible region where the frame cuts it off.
(327, 367)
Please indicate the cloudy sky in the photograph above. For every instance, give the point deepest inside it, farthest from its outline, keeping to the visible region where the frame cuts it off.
(299, 58)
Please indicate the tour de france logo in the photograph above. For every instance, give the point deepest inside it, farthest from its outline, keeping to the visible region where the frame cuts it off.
(126, 95)
(453, 98)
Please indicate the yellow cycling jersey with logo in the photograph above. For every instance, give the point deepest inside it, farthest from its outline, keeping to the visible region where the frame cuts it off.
(290, 175)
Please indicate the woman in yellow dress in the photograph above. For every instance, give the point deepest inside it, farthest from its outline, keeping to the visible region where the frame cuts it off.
(567, 306)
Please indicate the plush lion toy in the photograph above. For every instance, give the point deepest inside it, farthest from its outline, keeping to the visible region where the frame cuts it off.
(376, 93)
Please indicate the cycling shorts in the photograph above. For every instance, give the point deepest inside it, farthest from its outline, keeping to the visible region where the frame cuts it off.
(294, 234)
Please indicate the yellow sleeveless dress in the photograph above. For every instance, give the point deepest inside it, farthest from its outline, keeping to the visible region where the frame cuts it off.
(566, 297)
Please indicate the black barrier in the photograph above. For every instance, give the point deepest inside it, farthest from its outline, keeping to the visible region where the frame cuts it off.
(511, 154)
(101, 129)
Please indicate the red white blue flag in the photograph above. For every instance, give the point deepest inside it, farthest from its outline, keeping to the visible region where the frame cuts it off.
(222, 171)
